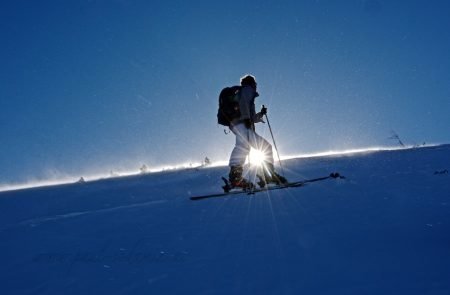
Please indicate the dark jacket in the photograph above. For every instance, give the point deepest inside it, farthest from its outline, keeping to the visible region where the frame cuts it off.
(247, 106)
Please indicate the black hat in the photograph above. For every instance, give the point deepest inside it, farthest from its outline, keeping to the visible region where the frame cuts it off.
(248, 80)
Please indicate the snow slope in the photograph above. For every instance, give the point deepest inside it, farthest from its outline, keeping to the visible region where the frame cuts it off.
(383, 230)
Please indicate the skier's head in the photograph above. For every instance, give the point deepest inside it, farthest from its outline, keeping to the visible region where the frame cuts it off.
(248, 80)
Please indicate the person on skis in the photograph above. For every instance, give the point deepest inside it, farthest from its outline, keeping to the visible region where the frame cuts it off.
(246, 137)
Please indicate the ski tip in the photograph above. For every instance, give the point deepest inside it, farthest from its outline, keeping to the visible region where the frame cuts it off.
(336, 175)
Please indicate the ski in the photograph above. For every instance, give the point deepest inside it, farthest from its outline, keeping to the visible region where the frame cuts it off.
(252, 191)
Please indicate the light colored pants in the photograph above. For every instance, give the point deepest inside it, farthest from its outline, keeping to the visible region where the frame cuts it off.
(245, 139)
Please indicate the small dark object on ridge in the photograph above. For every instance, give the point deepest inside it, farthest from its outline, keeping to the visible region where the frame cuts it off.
(441, 172)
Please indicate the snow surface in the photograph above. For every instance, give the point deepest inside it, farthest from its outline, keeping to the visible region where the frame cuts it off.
(383, 230)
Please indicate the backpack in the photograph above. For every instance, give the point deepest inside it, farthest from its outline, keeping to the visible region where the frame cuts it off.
(229, 105)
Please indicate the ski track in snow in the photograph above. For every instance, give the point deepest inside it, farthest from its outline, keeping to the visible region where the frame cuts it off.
(41, 220)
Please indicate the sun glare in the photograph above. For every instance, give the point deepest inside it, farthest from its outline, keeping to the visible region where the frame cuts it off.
(256, 157)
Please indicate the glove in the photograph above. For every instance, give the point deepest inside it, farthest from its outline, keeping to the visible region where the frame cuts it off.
(263, 110)
(248, 123)
(258, 118)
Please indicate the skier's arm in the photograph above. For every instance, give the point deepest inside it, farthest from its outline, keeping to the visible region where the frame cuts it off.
(247, 106)
(259, 116)
(246, 103)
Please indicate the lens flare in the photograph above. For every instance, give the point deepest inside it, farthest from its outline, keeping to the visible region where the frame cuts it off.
(256, 157)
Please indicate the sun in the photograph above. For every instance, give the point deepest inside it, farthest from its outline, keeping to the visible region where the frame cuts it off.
(256, 157)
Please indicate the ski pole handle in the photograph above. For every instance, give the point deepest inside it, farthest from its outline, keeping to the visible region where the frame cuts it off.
(264, 110)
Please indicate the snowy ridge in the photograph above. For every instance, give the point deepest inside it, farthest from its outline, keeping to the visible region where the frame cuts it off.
(126, 173)
(90, 178)
(356, 151)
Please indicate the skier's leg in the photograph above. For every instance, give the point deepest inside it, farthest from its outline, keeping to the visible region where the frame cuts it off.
(238, 155)
(261, 144)
(242, 146)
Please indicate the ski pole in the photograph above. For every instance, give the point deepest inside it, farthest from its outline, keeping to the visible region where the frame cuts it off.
(274, 143)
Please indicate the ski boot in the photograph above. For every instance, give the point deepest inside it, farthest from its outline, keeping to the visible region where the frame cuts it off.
(237, 181)
(270, 176)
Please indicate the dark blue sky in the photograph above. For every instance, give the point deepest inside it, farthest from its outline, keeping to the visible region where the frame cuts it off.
(93, 86)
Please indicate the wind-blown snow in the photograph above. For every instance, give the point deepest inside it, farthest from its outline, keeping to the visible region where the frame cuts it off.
(382, 230)
(66, 179)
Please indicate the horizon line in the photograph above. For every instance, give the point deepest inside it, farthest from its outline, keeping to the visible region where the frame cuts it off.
(97, 177)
